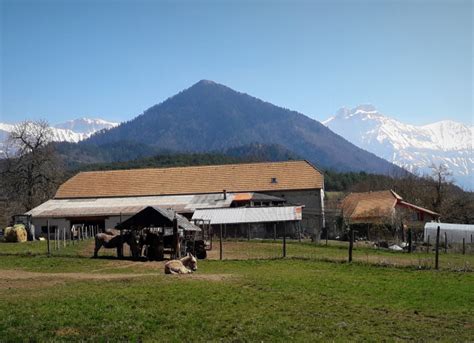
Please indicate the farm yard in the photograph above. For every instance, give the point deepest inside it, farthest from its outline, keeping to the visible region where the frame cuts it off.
(253, 295)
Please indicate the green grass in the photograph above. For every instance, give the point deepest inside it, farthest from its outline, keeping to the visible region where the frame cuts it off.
(232, 300)
(41, 248)
(265, 300)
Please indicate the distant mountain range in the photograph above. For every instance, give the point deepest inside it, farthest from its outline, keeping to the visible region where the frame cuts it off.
(210, 117)
(70, 131)
(414, 148)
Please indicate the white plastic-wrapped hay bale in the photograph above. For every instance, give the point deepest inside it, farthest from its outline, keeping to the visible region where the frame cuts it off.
(15, 234)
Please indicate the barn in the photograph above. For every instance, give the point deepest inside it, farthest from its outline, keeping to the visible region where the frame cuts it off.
(106, 198)
(375, 214)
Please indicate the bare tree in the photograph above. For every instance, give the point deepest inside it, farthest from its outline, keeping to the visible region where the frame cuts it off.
(441, 177)
(31, 171)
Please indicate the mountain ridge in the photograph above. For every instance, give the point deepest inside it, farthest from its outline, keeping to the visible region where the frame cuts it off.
(72, 131)
(412, 147)
(212, 117)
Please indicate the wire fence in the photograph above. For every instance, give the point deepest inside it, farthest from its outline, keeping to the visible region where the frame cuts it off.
(423, 256)
(420, 254)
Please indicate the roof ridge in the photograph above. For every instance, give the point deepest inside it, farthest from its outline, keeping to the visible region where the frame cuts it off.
(241, 177)
(202, 166)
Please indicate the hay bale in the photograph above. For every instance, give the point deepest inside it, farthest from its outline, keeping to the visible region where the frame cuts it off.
(15, 234)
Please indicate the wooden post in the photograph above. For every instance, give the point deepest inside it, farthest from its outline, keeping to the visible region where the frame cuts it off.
(225, 231)
(428, 246)
(120, 250)
(176, 238)
(64, 236)
(47, 237)
(248, 232)
(211, 233)
(298, 225)
(351, 243)
(284, 239)
(464, 246)
(437, 249)
(410, 240)
(275, 232)
(220, 242)
(327, 231)
(445, 243)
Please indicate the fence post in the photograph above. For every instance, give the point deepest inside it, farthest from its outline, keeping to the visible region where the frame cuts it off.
(284, 239)
(275, 232)
(48, 240)
(210, 233)
(176, 252)
(64, 236)
(437, 249)
(248, 232)
(428, 246)
(410, 241)
(220, 242)
(464, 246)
(298, 225)
(445, 243)
(351, 243)
(327, 234)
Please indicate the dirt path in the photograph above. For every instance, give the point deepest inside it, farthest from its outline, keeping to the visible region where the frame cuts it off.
(12, 278)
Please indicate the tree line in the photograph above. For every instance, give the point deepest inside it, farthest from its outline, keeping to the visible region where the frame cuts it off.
(32, 169)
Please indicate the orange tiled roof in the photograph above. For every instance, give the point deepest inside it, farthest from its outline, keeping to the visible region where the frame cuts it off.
(360, 206)
(290, 175)
(367, 206)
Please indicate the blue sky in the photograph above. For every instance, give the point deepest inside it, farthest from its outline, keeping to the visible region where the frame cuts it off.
(114, 59)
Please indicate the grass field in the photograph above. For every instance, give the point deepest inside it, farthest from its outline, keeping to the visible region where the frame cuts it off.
(73, 297)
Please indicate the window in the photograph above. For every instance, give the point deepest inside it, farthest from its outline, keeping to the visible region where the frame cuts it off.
(274, 180)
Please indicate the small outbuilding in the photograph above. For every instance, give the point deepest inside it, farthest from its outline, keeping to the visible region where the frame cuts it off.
(262, 222)
(163, 231)
(384, 213)
(455, 233)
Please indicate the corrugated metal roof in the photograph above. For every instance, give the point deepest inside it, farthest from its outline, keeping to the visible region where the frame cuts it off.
(237, 215)
(245, 177)
(127, 205)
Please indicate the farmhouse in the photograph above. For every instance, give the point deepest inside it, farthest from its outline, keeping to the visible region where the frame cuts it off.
(106, 198)
(383, 209)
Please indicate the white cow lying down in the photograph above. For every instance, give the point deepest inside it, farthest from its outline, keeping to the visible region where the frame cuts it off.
(186, 265)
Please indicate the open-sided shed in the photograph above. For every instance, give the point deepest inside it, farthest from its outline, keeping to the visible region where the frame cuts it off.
(163, 230)
(156, 217)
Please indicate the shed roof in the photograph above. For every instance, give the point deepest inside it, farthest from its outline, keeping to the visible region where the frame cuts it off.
(238, 215)
(245, 177)
(156, 217)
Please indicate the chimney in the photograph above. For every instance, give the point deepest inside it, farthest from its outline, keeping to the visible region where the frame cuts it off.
(225, 194)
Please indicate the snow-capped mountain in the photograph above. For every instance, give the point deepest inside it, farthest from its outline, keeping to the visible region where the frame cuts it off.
(415, 148)
(86, 126)
(69, 131)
